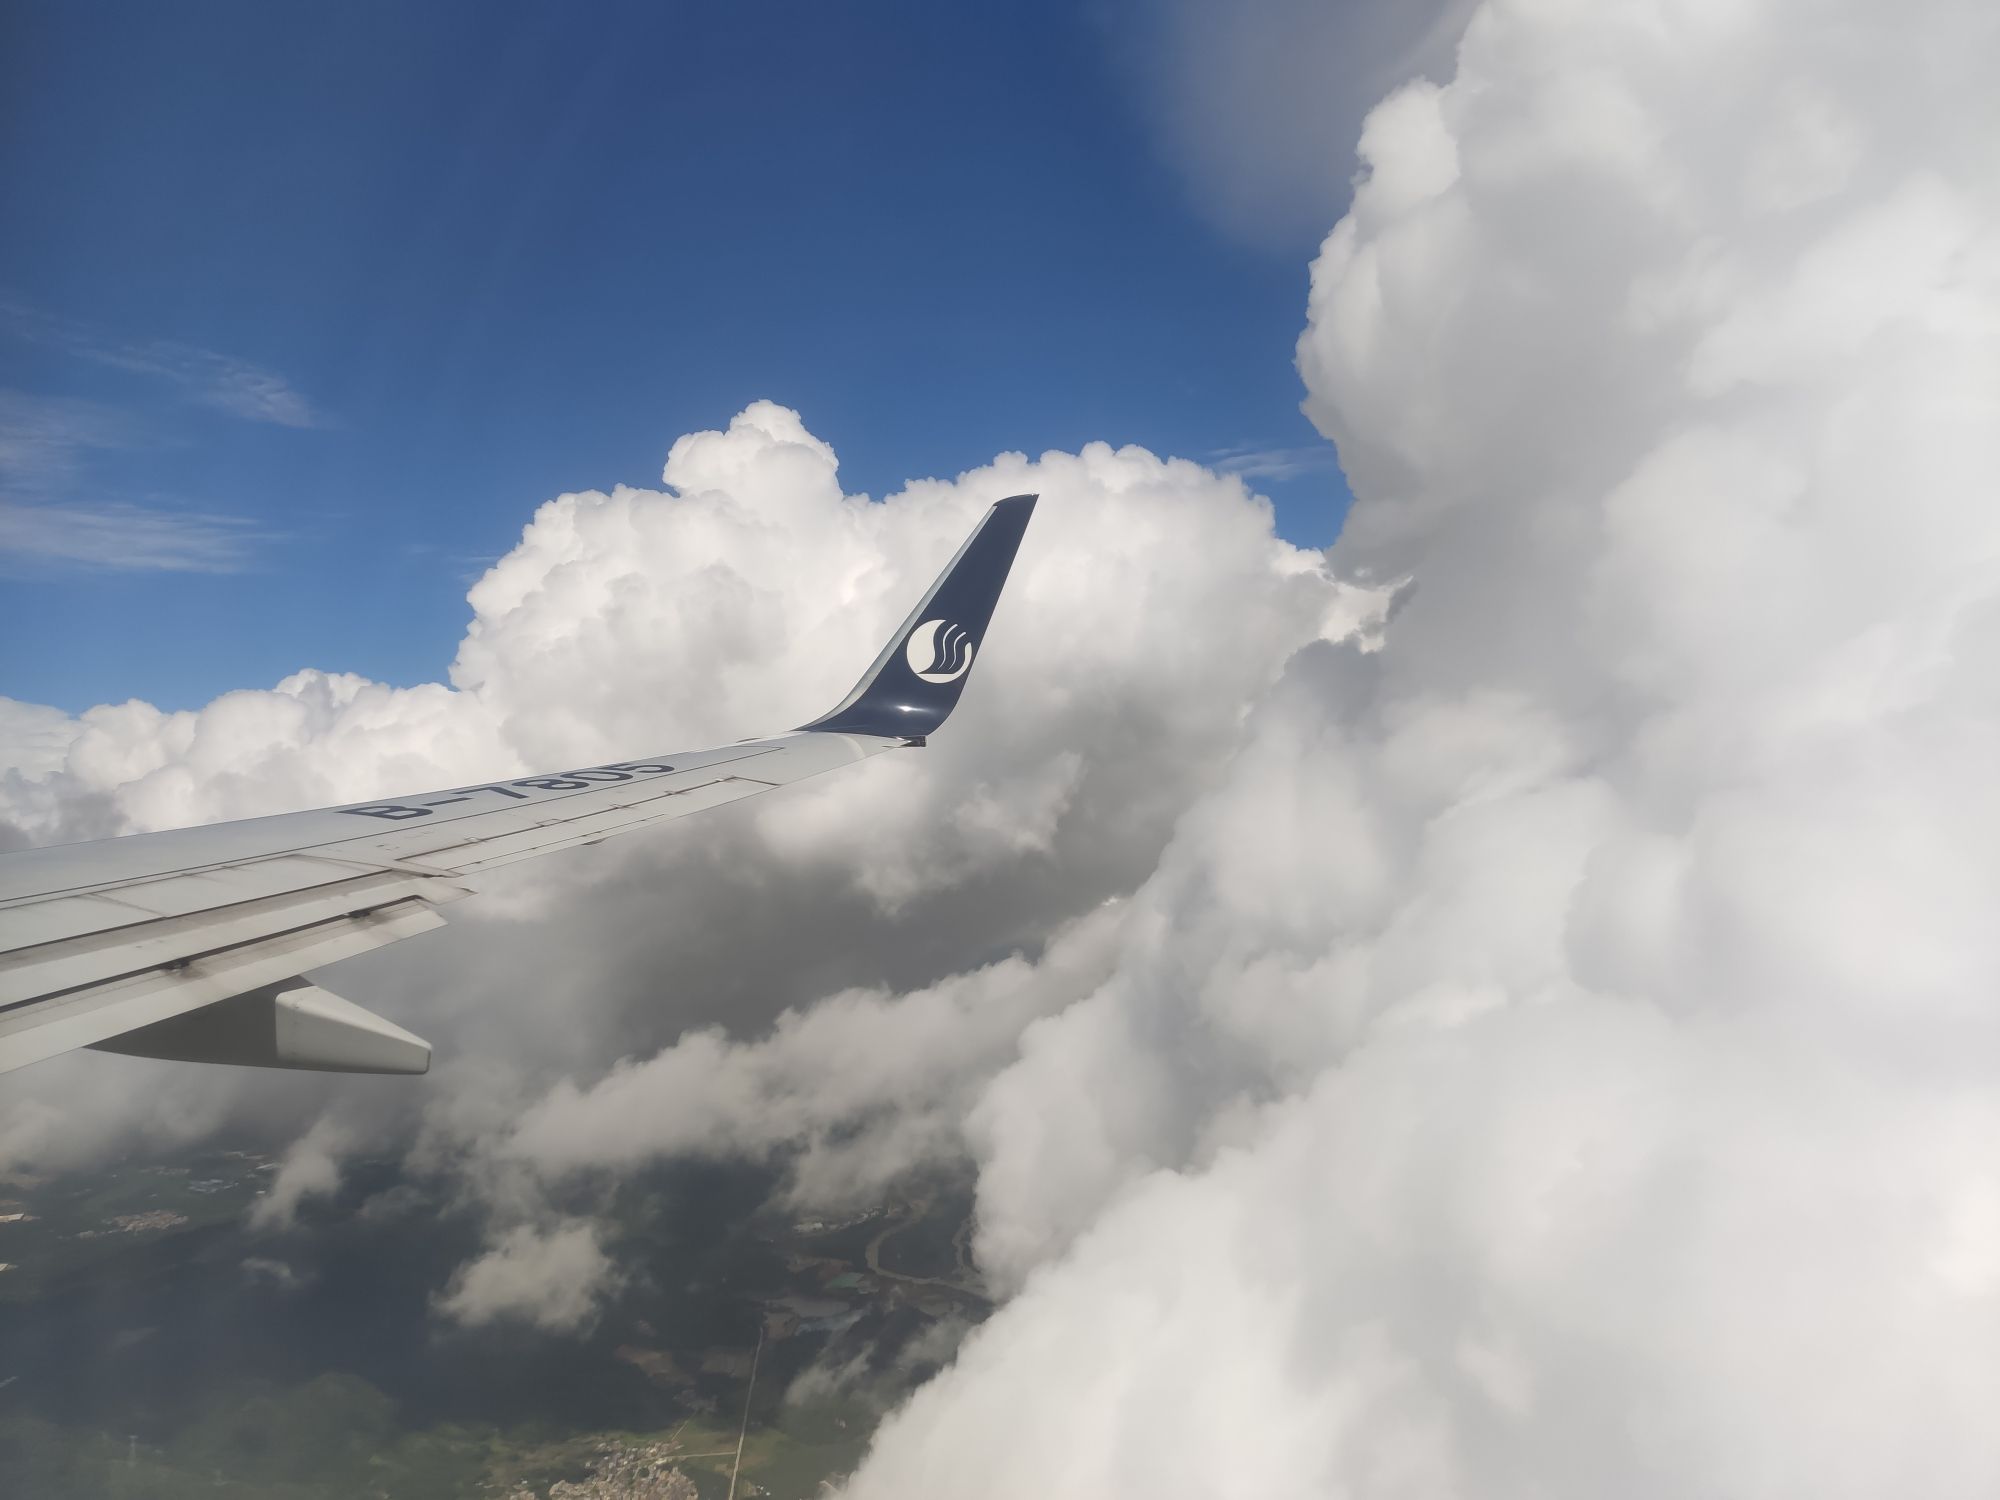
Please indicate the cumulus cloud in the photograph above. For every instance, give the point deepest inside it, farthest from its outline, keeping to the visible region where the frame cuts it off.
(858, 1089)
(33, 738)
(79, 1109)
(1559, 1060)
(278, 1275)
(876, 1375)
(311, 1169)
(549, 1278)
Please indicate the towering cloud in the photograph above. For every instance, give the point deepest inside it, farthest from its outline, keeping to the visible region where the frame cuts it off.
(1563, 1059)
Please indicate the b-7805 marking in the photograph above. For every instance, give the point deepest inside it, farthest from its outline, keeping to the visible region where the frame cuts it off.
(569, 781)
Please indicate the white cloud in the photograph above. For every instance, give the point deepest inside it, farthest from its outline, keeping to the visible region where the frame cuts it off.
(862, 1087)
(553, 1279)
(276, 1274)
(1560, 1060)
(33, 737)
(311, 1169)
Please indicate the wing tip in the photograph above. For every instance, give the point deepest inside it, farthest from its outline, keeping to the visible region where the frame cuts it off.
(918, 677)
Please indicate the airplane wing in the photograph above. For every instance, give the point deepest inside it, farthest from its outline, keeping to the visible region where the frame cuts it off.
(191, 944)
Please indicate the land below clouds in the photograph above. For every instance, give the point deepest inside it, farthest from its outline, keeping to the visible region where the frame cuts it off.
(145, 1322)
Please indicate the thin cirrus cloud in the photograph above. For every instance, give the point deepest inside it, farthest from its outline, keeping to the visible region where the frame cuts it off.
(1250, 462)
(43, 439)
(45, 447)
(47, 444)
(125, 538)
(203, 376)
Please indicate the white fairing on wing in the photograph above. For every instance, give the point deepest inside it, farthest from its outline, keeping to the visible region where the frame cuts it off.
(289, 1025)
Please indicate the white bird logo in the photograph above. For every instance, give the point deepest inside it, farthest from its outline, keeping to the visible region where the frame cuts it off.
(939, 651)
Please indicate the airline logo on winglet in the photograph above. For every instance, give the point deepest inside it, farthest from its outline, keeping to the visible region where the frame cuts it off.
(939, 651)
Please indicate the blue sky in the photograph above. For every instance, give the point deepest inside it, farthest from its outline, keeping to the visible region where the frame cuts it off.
(331, 299)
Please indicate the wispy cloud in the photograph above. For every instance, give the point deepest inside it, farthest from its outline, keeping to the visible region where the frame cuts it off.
(219, 381)
(1274, 463)
(124, 538)
(45, 444)
(43, 438)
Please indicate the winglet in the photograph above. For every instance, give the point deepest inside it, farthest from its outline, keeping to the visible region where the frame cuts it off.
(916, 681)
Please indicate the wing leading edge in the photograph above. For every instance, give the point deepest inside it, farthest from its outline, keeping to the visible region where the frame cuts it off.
(189, 944)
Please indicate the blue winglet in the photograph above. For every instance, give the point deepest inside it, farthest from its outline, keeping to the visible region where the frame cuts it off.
(916, 681)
